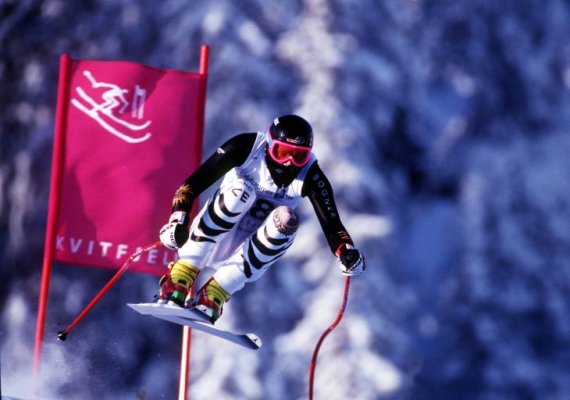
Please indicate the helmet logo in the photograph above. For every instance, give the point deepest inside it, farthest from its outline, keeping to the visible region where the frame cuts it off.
(298, 140)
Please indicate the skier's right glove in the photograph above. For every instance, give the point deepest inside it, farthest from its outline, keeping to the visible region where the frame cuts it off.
(174, 234)
(351, 260)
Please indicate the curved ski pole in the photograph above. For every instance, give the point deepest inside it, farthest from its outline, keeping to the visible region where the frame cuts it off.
(325, 334)
(63, 334)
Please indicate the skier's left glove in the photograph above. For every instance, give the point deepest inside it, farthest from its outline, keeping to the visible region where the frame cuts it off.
(174, 234)
(351, 260)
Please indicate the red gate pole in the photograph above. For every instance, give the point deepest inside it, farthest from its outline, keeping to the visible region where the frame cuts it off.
(54, 195)
(186, 331)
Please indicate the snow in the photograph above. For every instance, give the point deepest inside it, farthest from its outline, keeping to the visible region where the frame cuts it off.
(443, 127)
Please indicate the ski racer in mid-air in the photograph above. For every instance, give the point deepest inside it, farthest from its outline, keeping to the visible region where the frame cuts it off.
(250, 221)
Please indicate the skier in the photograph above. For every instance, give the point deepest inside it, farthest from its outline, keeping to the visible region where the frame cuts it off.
(250, 221)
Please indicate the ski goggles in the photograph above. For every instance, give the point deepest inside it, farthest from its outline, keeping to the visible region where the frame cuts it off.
(282, 152)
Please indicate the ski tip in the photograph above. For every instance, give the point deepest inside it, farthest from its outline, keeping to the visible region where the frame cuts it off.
(255, 340)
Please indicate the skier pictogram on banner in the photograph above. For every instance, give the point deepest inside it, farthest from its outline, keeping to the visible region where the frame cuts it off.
(105, 113)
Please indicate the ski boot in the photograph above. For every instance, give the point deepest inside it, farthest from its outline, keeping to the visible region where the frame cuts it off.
(174, 286)
(210, 300)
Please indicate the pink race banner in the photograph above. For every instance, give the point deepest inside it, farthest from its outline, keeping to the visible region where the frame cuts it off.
(126, 136)
(131, 135)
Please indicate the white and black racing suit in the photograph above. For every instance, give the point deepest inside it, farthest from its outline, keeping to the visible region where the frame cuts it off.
(250, 221)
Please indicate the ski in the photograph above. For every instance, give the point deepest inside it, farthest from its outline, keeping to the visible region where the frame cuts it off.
(156, 310)
(195, 320)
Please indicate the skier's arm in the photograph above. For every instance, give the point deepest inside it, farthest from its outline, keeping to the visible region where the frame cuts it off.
(320, 192)
(231, 154)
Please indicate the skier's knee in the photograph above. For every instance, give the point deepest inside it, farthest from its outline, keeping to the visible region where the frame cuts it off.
(285, 220)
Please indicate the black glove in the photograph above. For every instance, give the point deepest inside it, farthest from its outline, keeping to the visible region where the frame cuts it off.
(174, 234)
(351, 260)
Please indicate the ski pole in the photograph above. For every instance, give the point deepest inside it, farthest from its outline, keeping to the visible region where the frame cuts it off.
(325, 334)
(63, 334)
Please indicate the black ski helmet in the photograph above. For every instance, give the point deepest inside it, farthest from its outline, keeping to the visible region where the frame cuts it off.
(293, 132)
(292, 129)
